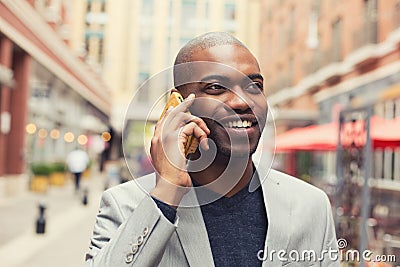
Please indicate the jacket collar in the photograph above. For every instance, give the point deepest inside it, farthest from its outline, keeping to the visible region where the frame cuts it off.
(192, 232)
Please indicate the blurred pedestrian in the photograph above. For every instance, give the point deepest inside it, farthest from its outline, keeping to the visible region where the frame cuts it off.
(77, 162)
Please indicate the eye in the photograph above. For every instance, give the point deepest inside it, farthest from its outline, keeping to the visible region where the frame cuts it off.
(215, 88)
(255, 87)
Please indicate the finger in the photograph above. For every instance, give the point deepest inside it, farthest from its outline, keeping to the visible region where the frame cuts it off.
(160, 124)
(192, 129)
(200, 122)
(182, 119)
(185, 105)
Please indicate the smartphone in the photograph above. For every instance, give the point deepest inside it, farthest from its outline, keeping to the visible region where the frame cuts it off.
(175, 99)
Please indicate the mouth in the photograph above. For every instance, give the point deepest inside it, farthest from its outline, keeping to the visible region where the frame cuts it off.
(238, 124)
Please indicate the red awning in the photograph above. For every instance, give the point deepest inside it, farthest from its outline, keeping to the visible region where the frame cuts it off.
(384, 133)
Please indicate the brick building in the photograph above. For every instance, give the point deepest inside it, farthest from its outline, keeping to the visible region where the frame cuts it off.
(319, 56)
(322, 56)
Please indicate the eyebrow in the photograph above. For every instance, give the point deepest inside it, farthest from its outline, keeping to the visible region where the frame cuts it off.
(222, 78)
(215, 77)
(255, 76)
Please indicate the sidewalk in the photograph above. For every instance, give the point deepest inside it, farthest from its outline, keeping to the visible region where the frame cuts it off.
(69, 226)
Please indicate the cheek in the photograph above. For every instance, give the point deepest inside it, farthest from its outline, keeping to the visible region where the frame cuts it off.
(261, 109)
(204, 109)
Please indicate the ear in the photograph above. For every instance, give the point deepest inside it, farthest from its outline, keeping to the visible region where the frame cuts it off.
(182, 93)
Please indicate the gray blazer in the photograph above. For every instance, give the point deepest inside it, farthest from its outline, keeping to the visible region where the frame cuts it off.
(131, 231)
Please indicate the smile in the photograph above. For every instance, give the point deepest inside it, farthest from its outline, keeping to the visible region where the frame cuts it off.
(238, 124)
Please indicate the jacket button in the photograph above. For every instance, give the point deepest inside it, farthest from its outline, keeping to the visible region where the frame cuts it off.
(129, 258)
(140, 240)
(145, 231)
(135, 248)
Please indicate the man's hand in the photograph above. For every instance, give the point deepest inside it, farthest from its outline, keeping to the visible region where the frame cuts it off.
(168, 151)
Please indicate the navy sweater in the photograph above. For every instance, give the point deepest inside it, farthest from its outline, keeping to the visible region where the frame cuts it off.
(236, 227)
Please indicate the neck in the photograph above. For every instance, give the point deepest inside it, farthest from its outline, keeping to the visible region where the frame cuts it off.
(225, 175)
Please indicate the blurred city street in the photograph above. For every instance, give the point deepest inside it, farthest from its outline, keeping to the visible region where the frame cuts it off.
(69, 226)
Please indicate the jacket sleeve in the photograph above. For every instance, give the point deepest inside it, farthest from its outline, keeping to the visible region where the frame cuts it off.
(330, 255)
(136, 239)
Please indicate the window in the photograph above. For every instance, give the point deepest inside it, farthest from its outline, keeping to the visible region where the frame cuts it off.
(290, 78)
(100, 50)
(147, 8)
(89, 7)
(143, 94)
(188, 15)
(337, 40)
(396, 15)
(370, 21)
(207, 9)
(230, 24)
(145, 47)
(229, 11)
(292, 24)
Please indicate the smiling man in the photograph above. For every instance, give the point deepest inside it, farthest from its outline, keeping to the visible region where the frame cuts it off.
(216, 207)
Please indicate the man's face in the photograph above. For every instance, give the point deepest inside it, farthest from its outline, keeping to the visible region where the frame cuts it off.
(229, 97)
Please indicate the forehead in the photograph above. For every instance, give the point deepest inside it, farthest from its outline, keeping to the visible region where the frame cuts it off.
(236, 57)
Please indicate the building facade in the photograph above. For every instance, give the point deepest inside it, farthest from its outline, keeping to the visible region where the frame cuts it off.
(49, 97)
(321, 56)
(324, 56)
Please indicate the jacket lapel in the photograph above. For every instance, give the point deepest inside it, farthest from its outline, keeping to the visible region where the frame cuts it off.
(193, 235)
(278, 213)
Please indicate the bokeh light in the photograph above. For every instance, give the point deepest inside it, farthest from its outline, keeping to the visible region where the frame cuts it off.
(69, 137)
(106, 136)
(82, 139)
(42, 133)
(30, 128)
(55, 134)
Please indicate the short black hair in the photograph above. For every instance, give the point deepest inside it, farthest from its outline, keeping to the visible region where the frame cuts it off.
(201, 42)
(205, 41)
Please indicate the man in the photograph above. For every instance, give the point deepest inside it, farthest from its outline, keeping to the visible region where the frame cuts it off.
(77, 162)
(218, 208)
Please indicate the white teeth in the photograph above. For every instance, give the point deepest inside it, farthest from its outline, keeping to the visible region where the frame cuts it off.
(238, 124)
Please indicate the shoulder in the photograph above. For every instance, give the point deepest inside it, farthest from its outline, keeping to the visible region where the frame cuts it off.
(297, 190)
(291, 182)
(129, 194)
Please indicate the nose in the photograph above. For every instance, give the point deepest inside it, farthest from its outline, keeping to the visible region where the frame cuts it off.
(238, 101)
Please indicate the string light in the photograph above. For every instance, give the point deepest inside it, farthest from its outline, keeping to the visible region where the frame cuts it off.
(42, 133)
(30, 128)
(69, 137)
(55, 134)
(106, 136)
(82, 139)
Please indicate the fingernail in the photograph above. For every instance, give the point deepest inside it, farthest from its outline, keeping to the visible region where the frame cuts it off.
(206, 146)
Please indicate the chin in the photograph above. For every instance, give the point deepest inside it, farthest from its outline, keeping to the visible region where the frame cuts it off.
(228, 151)
(238, 148)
